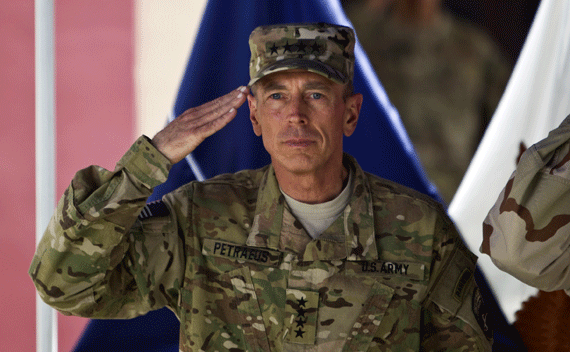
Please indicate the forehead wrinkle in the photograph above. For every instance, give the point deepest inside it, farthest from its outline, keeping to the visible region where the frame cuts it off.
(276, 84)
(272, 84)
(317, 85)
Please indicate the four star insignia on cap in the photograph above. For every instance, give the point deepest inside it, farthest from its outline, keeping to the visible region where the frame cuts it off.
(322, 48)
(300, 47)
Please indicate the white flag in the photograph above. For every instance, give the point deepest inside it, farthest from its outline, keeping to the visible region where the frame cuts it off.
(536, 100)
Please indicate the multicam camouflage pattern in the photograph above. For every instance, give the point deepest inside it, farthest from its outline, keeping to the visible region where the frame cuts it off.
(240, 272)
(322, 48)
(526, 233)
(445, 80)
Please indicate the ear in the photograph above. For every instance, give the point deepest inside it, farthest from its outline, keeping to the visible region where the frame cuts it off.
(351, 113)
(252, 103)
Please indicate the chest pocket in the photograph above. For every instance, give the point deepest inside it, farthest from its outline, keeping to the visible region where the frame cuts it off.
(245, 303)
(222, 313)
(229, 305)
(349, 308)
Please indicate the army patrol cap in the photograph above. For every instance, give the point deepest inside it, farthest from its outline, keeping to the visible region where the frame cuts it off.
(322, 48)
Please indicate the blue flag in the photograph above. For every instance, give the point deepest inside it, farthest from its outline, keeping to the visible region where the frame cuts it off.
(218, 64)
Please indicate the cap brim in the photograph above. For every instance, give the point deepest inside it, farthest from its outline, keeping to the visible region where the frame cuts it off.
(301, 64)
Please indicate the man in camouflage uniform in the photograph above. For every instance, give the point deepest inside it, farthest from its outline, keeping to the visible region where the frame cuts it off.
(309, 253)
(526, 233)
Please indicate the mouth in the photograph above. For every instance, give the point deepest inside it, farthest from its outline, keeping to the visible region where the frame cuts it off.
(299, 143)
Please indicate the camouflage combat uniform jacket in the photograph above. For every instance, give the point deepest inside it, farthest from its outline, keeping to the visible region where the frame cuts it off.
(228, 257)
(527, 231)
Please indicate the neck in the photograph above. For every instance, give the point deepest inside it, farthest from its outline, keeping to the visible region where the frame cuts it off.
(312, 188)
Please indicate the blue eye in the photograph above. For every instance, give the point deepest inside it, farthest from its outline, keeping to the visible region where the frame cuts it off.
(276, 96)
(317, 95)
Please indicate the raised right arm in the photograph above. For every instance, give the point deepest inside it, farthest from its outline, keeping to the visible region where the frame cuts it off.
(86, 251)
(91, 261)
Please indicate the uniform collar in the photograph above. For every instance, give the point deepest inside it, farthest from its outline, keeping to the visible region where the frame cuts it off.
(350, 237)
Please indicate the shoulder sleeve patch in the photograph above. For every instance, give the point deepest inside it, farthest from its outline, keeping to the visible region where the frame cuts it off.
(456, 278)
(456, 292)
(154, 209)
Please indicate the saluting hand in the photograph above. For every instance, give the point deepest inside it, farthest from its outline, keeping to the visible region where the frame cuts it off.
(180, 137)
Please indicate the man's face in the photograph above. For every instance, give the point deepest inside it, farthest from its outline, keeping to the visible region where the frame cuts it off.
(302, 118)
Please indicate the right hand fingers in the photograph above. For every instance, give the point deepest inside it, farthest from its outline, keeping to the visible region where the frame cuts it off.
(188, 130)
(217, 106)
(206, 116)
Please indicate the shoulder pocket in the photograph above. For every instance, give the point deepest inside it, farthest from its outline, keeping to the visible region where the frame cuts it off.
(454, 281)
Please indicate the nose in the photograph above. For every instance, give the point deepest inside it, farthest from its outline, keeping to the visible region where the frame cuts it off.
(298, 110)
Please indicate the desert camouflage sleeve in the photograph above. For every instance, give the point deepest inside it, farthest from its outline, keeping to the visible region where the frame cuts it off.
(454, 315)
(90, 262)
(527, 232)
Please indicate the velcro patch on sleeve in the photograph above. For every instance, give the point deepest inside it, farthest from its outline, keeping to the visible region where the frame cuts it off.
(455, 279)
